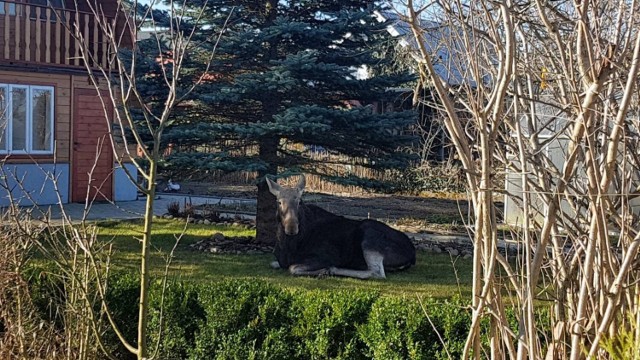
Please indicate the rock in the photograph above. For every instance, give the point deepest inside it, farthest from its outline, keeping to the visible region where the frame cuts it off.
(220, 244)
(207, 222)
(423, 247)
(243, 239)
(218, 237)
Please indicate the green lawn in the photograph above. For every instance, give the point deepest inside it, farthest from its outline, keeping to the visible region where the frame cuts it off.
(433, 274)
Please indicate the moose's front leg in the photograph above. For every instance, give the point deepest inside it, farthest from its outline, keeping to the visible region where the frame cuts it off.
(375, 267)
(308, 270)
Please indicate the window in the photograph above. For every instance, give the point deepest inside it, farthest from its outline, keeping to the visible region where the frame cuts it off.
(44, 4)
(10, 8)
(26, 119)
(7, 8)
(58, 4)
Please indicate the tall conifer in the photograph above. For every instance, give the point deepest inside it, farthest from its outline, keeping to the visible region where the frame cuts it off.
(284, 80)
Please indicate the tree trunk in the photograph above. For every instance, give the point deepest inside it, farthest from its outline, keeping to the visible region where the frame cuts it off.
(265, 215)
(266, 207)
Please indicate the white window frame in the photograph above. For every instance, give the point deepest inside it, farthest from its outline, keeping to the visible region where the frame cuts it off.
(8, 131)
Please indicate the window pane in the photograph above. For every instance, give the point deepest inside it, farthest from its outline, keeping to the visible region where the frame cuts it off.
(44, 5)
(3, 118)
(11, 7)
(58, 4)
(19, 118)
(41, 114)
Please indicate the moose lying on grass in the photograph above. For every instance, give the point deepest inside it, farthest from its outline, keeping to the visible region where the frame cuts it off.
(312, 241)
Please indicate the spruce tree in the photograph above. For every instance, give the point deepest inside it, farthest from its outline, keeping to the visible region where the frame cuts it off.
(283, 81)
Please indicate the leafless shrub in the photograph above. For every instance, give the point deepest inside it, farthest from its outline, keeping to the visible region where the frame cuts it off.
(188, 210)
(24, 334)
(211, 214)
(173, 208)
(118, 78)
(545, 94)
(430, 178)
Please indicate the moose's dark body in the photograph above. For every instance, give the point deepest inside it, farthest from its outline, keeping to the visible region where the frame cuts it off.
(328, 240)
(313, 241)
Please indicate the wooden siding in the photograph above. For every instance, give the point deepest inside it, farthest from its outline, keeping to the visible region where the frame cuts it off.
(32, 35)
(92, 158)
(62, 114)
(80, 82)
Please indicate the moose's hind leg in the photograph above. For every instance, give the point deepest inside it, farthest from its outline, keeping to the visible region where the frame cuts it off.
(375, 267)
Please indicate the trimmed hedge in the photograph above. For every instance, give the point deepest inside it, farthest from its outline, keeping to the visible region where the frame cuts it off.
(243, 320)
(253, 319)
(256, 320)
(328, 323)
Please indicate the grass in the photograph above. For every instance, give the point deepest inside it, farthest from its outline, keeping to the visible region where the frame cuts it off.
(434, 274)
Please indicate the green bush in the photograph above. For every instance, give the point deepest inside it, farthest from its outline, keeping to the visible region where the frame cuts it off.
(123, 296)
(401, 328)
(179, 320)
(452, 319)
(244, 320)
(327, 323)
(251, 319)
(48, 291)
(396, 329)
(624, 344)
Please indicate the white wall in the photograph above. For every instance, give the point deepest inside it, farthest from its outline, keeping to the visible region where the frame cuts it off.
(556, 150)
(29, 184)
(123, 188)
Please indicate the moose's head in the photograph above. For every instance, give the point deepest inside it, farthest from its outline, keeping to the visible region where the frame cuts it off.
(288, 204)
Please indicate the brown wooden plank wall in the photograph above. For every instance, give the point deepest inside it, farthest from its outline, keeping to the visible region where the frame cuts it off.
(80, 82)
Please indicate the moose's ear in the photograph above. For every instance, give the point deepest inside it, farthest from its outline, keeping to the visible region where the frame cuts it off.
(274, 188)
(301, 183)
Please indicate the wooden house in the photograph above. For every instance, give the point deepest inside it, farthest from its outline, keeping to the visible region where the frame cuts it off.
(52, 121)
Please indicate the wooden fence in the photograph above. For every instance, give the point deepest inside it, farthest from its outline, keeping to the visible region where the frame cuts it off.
(42, 35)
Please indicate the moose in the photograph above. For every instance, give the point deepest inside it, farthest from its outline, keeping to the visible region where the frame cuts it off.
(311, 241)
